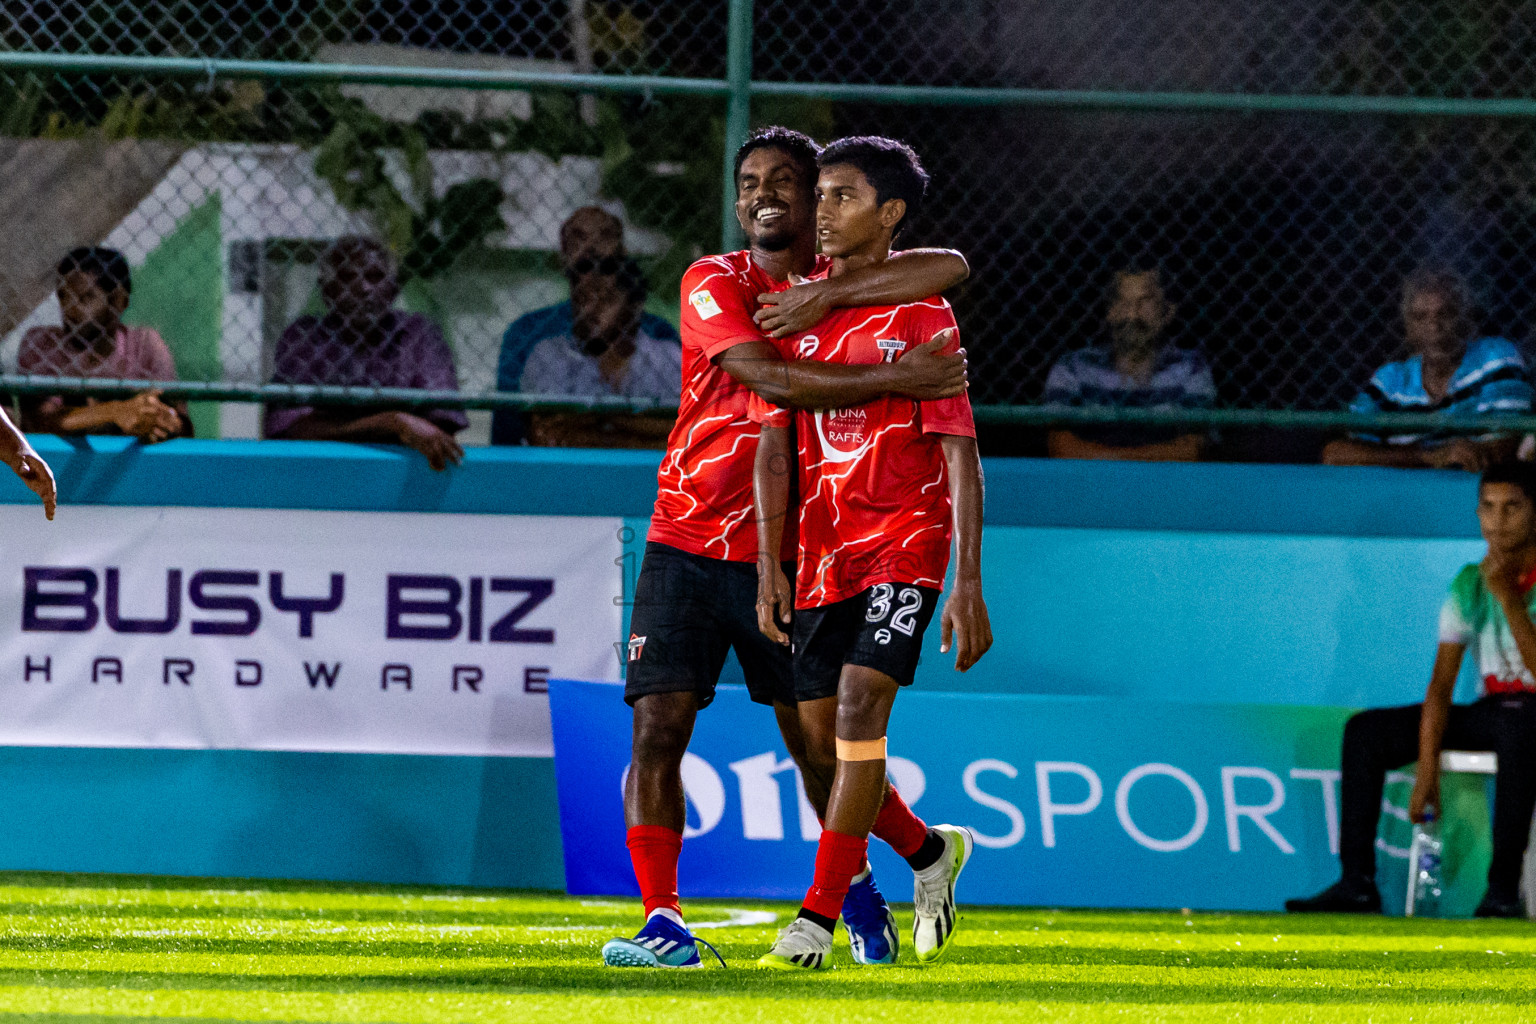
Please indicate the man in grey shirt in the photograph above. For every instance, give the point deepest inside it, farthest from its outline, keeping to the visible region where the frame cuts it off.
(607, 353)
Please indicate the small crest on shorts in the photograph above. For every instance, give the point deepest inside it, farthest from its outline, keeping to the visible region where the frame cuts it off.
(882, 636)
(890, 348)
(807, 346)
(636, 645)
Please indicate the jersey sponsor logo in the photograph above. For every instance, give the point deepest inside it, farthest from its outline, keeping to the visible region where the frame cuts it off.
(843, 433)
(890, 348)
(636, 645)
(807, 346)
(704, 303)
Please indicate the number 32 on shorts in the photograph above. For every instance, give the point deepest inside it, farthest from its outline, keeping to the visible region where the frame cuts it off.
(902, 607)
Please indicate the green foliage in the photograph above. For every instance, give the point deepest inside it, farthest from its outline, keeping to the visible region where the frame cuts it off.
(661, 160)
(426, 231)
(660, 156)
(31, 106)
(20, 102)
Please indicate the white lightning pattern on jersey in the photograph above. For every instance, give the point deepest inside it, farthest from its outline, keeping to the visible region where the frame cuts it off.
(735, 517)
(675, 455)
(852, 462)
(826, 478)
(889, 317)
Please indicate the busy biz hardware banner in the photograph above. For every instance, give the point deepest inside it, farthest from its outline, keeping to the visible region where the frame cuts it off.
(380, 632)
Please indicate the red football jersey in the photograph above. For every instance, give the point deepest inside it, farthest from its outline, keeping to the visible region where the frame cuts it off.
(874, 504)
(704, 489)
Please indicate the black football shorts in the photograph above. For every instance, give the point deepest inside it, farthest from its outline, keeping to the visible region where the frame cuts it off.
(689, 612)
(882, 629)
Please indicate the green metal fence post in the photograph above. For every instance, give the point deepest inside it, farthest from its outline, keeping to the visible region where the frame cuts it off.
(738, 114)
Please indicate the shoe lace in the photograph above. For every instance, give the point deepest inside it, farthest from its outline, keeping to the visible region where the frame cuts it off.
(929, 895)
(801, 929)
(709, 946)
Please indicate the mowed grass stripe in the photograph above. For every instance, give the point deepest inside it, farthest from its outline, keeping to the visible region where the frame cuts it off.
(955, 983)
(269, 900)
(1461, 944)
(789, 1004)
(120, 950)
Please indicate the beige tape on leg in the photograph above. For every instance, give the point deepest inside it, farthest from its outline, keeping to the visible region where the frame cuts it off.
(861, 750)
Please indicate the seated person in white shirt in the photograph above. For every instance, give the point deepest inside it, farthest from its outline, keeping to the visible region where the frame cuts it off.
(608, 352)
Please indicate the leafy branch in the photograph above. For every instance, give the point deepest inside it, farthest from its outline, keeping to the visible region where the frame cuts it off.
(427, 232)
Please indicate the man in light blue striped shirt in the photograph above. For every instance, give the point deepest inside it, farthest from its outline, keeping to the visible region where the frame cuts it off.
(1449, 372)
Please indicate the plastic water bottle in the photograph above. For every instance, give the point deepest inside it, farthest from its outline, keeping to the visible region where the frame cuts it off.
(1424, 868)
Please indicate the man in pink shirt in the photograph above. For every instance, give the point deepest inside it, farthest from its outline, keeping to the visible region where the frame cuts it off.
(93, 341)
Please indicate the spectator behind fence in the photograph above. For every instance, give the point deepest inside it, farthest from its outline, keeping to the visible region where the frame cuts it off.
(93, 289)
(1447, 372)
(363, 342)
(591, 242)
(1488, 609)
(1138, 369)
(607, 352)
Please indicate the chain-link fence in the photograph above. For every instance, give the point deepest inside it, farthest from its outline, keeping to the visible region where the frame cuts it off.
(1285, 163)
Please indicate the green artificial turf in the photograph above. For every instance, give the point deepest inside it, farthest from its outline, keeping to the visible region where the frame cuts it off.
(89, 947)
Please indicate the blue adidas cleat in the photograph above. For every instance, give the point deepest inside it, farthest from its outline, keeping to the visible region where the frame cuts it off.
(871, 925)
(663, 942)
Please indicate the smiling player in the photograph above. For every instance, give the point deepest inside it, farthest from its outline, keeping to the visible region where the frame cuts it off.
(696, 594)
(883, 486)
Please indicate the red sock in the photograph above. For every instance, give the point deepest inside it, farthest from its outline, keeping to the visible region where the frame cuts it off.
(862, 867)
(654, 849)
(838, 858)
(898, 826)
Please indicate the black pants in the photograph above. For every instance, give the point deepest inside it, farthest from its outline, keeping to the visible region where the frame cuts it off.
(1379, 740)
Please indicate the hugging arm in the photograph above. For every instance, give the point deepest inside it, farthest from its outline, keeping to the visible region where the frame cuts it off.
(907, 276)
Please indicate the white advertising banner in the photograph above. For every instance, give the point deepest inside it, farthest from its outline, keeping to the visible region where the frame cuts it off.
(378, 632)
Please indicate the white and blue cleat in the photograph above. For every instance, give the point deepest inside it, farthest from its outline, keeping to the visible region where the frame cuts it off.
(872, 934)
(663, 942)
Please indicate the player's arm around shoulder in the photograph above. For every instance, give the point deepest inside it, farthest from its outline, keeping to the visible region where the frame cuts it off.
(907, 276)
(965, 623)
(925, 373)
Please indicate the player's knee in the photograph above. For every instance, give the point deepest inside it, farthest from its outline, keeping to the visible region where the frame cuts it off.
(861, 750)
(659, 744)
(863, 705)
(662, 730)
